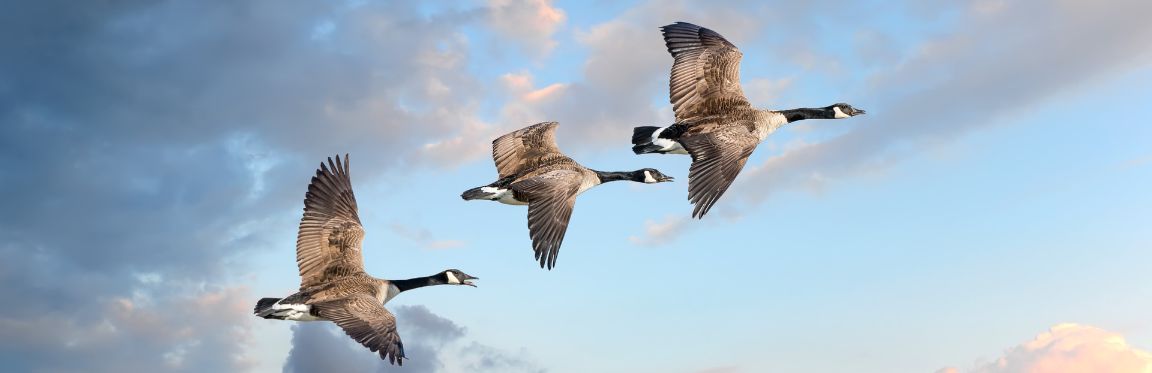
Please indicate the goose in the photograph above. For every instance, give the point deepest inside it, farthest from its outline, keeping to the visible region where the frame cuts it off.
(533, 171)
(333, 285)
(715, 124)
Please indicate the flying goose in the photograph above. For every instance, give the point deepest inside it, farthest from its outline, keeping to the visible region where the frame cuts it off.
(333, 285)
(534, 172)
(715, 124)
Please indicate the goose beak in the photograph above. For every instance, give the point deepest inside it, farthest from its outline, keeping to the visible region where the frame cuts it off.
(469, 283)
(859, 112)
(665, 179)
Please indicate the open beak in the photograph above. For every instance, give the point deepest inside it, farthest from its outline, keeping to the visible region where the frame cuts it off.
(665, 179)
(469, 283)
(858, 112)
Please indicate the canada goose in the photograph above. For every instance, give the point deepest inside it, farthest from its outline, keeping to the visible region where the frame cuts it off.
(534, 172)
(333, 285)
(715, 124)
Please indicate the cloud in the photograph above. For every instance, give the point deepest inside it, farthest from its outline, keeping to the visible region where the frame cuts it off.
(1071, 348)
(166, 141)
(662, 233)
(1030, 67)
(431, 342)
(530, 23)
(151, 331)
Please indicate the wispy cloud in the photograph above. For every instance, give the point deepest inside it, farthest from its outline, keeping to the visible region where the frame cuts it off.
(658, 233)
(1022, 75)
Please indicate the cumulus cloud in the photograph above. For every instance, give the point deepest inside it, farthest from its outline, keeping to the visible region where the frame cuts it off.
(1070, 348)
(163, 141)
(432, 343)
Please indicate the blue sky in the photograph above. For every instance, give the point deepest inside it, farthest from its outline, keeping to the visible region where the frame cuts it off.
(989, 214)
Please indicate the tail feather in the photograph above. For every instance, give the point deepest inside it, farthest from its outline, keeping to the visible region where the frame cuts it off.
(264, 304)
(643, 135)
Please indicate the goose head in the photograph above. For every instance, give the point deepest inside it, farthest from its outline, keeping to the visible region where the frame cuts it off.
(456, 277)
(650, 176)
(842, 110)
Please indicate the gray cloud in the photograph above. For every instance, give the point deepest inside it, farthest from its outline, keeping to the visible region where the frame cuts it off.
(432, 343)
(147, 147)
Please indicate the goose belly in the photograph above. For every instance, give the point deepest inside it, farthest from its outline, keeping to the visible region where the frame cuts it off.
(294, 312)
(502, 195)
(667, 146)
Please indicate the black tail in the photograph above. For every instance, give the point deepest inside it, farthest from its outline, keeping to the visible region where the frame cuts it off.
(643, 135)
(264, 304)
(475, 193)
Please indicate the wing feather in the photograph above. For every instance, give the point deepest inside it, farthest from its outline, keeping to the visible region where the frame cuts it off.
(527, 149)
(328, 241)
(551, 197)
(705, 78)
(367, 321)
(717, 158)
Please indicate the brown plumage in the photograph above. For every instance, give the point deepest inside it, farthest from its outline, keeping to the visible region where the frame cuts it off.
(715, 124)
(333, 285)
(533, 171)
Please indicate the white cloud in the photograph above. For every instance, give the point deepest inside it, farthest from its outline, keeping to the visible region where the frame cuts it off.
(1070, 348)
(530, 23)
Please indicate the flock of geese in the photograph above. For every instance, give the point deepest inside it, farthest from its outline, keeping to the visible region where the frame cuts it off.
(715, 125)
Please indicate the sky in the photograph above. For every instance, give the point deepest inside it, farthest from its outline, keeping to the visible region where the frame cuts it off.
(990, 213)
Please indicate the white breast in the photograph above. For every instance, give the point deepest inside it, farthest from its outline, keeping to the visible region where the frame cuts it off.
(390, 291)
(768, 123)
(590, 180)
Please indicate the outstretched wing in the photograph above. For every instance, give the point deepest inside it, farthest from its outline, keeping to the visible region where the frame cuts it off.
(706, 72)
(328, 243)
(367, 321)
(550, 198)
(526, 148)
(717, 157)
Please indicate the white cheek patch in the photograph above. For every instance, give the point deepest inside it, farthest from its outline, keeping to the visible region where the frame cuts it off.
(648, 179)
(839, 114)
(452, 278)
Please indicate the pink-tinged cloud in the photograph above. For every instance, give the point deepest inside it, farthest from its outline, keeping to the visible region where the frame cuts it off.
(1071, 348)
(530, 23)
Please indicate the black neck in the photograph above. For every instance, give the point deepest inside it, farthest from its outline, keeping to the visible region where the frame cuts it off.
(606, 176)
(808, 113)
(419, 282)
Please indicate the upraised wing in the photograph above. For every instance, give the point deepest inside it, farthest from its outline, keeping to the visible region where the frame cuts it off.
(367, 321)
(706, 72)
(328, 242)
(527, 149)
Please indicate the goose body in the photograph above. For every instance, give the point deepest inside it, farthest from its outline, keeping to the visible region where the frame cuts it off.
(333, 285)
(715, 123)
(533, 171)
